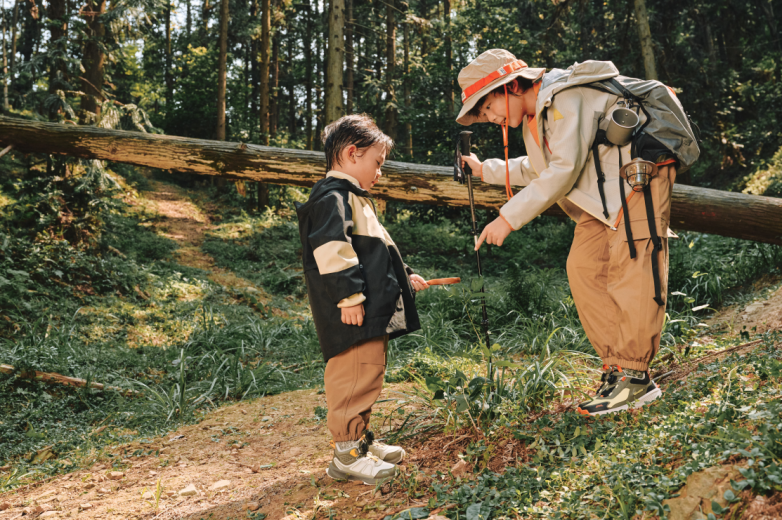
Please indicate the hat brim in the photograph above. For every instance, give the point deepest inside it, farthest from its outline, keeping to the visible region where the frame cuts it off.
(528, 73)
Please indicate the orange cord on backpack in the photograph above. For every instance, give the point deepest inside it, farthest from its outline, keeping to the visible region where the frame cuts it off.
(508, 191)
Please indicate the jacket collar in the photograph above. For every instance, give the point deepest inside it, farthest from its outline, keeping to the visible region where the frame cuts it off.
(339, 175)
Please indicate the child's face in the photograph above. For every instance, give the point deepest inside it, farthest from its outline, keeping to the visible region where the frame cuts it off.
(493, 109)
(363, 165)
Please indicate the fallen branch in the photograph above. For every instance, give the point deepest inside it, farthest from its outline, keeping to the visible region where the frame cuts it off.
(54, 378)
(6, 150)
(689, 365)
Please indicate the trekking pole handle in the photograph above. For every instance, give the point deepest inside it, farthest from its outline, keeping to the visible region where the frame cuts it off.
(464, 138)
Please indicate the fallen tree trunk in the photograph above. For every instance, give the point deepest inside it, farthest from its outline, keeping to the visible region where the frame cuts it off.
(693, 209)
(55, 378)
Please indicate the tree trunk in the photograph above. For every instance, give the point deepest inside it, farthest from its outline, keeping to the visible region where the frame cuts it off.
(392, 114)
(265, 40)
(274, 89)
(93, 61)
(204, 21)
(188, 19)
(424, 32)
(221, 71)
(308, 75)
(5, 70)
(645, 36)
(14, 23)
(408, 148)
(749, 217)
(255, 76)
(336, 58)
(58, 26)
(349, 56)
(169, 79)
(319, 70)
(290, 81)
(448, 57)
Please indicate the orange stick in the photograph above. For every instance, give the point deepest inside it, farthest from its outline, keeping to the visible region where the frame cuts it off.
(444, 281)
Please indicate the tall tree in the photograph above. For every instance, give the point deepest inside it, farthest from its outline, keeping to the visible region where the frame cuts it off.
(58, 27)
(349, 58)
(255, 74)
(221, 71)
(308, 74)
(5, 67)
(291, 82)
(408, 148)
(168, 77)
(14, 23)
(274, 89)
(266, 28)
(391, 109)
(188, 19)
(319, 80)
(336, 58)
(645, 36)
(94, 60)
(448, 57)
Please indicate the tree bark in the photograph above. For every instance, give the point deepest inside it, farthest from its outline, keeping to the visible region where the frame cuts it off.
(14, 23)
(645, 36)
(319, 82)
(448, 57)
(188, 19)
(392, 114)
(255, 76)
(408, 148)
(265, 40)
(336, 59)
(59, 29)
(5, 70)
(274, 87)
(349, 56)
(290, 82)
(93, 61)
(308, 74)
(221, 71)
(169, 79)
(738, 215)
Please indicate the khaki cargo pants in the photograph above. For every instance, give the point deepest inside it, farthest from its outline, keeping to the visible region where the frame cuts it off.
(353, 381)
(613, 293)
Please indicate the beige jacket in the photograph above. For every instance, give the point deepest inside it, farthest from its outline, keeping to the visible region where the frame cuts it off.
(561, 169)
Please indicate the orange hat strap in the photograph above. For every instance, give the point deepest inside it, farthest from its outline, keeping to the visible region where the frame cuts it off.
(502, 71)
(508, 191)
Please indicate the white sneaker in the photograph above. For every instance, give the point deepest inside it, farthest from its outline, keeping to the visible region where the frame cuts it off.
(388, 453)
(358, 463)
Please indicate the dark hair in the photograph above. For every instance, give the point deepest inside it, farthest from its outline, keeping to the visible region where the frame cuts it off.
(524, 84)
(356, 129)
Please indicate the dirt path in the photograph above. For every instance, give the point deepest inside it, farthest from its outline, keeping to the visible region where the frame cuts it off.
(266, 456)
(181, 220)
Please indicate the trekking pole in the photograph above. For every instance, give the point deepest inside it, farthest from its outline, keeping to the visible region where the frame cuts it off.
(460, 174)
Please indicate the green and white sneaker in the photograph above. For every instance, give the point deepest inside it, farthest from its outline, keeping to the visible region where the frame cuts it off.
(385, 452)
(622, 389)
(353, 461)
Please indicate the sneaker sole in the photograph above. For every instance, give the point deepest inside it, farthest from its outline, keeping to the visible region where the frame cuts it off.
(335, 473)
(646, 398)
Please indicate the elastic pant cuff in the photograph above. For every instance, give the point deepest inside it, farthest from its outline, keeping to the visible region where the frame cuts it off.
(626, 363)
(345, 438)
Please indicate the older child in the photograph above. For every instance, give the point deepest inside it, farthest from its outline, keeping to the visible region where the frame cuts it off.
(361, 293)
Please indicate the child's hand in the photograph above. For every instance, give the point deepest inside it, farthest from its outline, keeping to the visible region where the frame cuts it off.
(353, 315)
(475, 165)
(419, 284)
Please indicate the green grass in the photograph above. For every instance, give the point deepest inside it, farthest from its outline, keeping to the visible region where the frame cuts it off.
(125, 314)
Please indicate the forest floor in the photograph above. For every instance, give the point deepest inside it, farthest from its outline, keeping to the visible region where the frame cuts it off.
(265, 458)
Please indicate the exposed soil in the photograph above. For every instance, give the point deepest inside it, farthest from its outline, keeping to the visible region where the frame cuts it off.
(761, 315)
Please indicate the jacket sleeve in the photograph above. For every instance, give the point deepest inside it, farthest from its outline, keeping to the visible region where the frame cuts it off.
(569, 143)
(331, 242)
(521, 171)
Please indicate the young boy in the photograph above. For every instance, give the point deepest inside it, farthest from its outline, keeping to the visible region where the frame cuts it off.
(360, 291)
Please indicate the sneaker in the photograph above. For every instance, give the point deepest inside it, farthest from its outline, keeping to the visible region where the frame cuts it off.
(623, 389)
(385, 452)
(603, 383)
(356, 462)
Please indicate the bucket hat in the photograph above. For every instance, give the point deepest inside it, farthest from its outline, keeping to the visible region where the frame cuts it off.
(488, 71)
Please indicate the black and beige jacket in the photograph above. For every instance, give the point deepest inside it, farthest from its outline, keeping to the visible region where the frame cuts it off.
(349, 258)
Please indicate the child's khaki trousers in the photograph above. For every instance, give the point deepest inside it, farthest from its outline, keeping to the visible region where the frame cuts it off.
(353, 383)
(613, 293)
